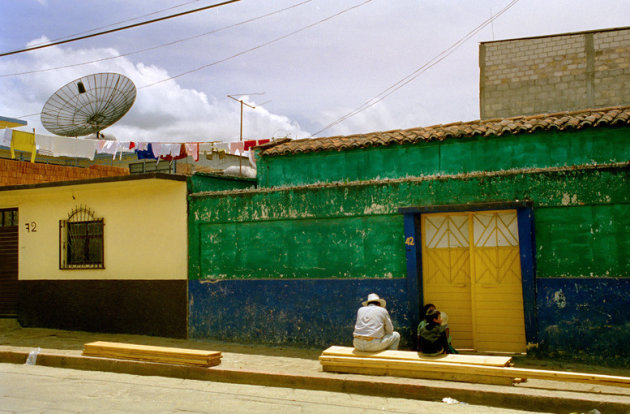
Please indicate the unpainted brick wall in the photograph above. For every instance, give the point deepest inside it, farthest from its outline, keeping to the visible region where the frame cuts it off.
(14, 172)
(554, 73)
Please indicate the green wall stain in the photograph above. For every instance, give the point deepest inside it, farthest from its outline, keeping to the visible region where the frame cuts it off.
(452, 156)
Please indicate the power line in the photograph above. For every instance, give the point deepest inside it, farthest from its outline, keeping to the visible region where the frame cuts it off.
(120, 22)
(248, 50)
(257, 47)
(407, 79)
(158, 46)
(74, 39)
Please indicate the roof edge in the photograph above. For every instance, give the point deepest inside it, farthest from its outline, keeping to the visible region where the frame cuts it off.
(611, 117)
(120, 178)
(611, 29)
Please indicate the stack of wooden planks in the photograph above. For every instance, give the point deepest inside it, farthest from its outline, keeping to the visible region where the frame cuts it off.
(149, 353)
(465, 368)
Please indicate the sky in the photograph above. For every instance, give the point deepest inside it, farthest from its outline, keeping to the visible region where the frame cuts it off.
(303, 64)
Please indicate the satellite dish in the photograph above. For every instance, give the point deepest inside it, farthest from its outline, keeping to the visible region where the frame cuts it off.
(88, 105)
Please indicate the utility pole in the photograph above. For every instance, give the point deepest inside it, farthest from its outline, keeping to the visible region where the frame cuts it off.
(240, 159)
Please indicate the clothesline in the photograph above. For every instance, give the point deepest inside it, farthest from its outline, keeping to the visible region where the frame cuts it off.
(57, 146)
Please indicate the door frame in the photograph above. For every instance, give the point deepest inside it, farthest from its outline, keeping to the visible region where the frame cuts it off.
(526, 236)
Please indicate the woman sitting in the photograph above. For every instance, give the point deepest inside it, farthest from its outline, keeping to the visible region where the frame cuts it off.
(432, 335)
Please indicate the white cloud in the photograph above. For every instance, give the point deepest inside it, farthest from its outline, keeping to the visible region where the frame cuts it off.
(163, 112)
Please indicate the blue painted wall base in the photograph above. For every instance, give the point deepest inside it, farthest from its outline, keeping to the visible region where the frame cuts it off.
(311, 313)
(584, 319)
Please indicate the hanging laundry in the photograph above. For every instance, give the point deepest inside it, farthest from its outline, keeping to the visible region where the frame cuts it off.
(223, 147)
(146, 153)
(177, 152)
(248, 144)
(254, 143)
(45, 144)
(162, 149)
(252, 152)
(192, 149)
(23, 141)
(172, 151)
(107, 147)
(236, 147)
(252, 159)
(206, 148)
(6, 135)
(74, 147)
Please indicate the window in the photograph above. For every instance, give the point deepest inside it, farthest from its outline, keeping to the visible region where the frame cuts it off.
(151, 166)
(9, 217)
(81, 240)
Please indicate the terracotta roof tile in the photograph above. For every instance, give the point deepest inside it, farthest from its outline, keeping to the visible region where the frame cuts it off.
(612, 116)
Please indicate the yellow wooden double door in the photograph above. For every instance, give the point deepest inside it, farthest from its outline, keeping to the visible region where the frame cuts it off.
(471, 270)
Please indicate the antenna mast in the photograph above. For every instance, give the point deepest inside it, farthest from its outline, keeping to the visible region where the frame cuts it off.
(240, 161)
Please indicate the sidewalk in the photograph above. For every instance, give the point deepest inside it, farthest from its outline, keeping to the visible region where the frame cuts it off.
(300, 368)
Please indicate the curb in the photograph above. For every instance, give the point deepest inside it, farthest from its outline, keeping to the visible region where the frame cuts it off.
(506, 397)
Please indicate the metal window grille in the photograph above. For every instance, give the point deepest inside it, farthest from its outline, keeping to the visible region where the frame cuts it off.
(81, 240)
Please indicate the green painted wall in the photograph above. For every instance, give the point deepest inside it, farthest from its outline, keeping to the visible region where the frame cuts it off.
(583, 241)
(355, 230)
(310, 248)
(452, 156)
(201, 182)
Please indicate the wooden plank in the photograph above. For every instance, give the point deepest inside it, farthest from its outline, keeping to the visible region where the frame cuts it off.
(469, 369)
(180, 356)
(498, 361)
(410, 373)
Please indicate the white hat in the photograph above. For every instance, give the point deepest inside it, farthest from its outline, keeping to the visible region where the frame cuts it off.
(373, 297)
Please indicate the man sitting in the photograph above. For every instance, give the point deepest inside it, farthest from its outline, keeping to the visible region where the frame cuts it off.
(374, 330)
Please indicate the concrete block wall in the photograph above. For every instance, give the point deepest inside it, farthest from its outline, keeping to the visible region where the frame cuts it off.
(554, 73)
(14, 172)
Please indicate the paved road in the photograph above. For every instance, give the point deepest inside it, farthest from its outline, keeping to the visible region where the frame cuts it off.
(27, 388)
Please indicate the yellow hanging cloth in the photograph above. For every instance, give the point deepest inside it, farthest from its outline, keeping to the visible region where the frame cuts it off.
(23, 141)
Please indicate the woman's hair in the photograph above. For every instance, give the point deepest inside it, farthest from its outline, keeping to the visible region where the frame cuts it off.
(431, 315)
(426, 308)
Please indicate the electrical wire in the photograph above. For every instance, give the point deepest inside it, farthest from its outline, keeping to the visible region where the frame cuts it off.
(412, 76)
(248, 50)
(159, 19)
(257, 47)
(157, 46)
(119, 22)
